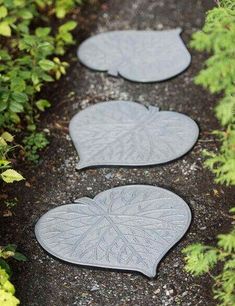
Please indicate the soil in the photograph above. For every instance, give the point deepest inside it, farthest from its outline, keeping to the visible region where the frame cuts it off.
(44, 280)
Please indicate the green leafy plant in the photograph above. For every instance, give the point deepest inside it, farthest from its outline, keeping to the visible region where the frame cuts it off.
(33, 144)
(60, 7)
(217, 37)
(7, 174)
(30, 57)
(7, 289)
(201, 259)
(223, 163)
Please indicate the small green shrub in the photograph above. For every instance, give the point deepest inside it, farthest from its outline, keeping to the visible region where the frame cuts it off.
(30, 56)
(33, 144)
(7, 174)
(59, 7)
(201, 259)
(223, 163)
(7, 290)
(217, 37)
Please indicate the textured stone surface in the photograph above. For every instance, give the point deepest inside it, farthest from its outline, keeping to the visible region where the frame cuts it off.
(127, 133)
(141, 56)
(128, 228)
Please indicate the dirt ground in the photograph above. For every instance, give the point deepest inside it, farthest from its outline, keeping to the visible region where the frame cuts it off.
(47, 281)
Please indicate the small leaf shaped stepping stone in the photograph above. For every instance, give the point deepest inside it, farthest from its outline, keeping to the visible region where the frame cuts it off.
(129, 134)
(127, 228)
(141, 56)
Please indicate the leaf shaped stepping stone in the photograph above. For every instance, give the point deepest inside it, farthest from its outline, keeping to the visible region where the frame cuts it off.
(127, 228)
(141, 56)
(129, 134)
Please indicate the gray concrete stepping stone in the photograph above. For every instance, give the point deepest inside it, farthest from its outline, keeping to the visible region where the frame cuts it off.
(129, 134)
(141, 56)
(127, 228)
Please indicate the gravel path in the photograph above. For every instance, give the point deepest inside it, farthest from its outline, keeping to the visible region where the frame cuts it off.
(44, 280)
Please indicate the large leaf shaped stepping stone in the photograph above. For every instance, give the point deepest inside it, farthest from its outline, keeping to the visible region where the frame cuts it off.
(141, 56)
(129, 134)
(127, 228)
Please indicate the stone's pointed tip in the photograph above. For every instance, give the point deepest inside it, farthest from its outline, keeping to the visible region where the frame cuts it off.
(83, 200)
(113, 72)
(150, 274)
(81, 166)
(178, 30)
(153, 109)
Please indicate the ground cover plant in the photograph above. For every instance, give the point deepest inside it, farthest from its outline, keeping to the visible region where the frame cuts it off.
(218, 76)
(31, 51)
(7, 290)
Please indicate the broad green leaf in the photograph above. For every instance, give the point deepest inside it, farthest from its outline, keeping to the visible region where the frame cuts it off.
(14, 117)
(35, 78)
(16, 107)
(46, 64)
(7, 136)
(10, 248)
(47, 78)
(10, 176)
(19, 97)
(17, 84)
(60, 12)
(42, 104)
(5, 29)
(7, 299)
(68, 26)
(232, 210)
(8, 287)
(4, 163)
(4, 55)
(3, 11)
(3, 143)
(25, 14)
(4, 266)
(3, 105)
(20, 257)
(42, 32)
(31, 127)
(45, 49)
(67, 37)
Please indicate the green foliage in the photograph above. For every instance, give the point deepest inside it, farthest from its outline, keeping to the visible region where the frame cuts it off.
(217, 37)
(201, 259)
(33, 144)
(29, 58)
(60, 7)
(223, 163)
(7, 290)
(6, 173)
